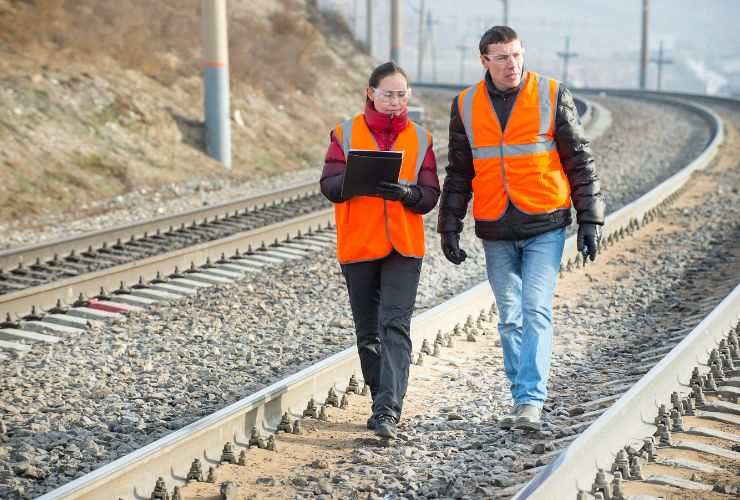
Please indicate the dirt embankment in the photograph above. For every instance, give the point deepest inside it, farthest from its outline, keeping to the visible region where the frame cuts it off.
(100, 98)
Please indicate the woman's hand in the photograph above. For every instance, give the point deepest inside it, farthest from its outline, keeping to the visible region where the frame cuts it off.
(393, 191)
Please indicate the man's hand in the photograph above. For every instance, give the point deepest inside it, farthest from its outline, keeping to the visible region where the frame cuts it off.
(394, 192)
(451, 248)
(589, 236)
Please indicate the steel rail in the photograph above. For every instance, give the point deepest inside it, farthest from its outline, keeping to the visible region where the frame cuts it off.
(29, 254)
(133, 475)
(10, 259)
(625, 420)
(68, 290)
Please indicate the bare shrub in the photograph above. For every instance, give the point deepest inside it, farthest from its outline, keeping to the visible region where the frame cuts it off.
(334, 22)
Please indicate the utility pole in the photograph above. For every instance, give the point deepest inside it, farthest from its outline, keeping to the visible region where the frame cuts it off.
(566, 56)
(396, 31)
(355, 29)
(660, 61)
(432, 44)
(462, 49)
(644, 46)
(506, 12)
(369, 26)
(420, 53)
(216, 80)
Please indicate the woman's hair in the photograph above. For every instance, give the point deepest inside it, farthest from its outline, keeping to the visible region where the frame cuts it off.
(386, 69)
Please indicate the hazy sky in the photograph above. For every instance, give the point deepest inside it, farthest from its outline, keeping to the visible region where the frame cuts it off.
(601, 29)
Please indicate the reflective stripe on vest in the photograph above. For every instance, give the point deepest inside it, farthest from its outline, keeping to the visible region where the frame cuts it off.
(368, 227)
(519, 164)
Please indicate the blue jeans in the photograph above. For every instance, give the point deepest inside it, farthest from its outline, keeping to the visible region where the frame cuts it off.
(522, 274)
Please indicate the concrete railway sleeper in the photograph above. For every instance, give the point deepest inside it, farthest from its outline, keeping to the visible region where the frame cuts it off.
(47, 326)
(107, 255)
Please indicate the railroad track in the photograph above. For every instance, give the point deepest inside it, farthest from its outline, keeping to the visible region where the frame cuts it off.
(48, 276)
(248, 420)
(43, 274)
(673, 432)
(57, 287)
(686, 402)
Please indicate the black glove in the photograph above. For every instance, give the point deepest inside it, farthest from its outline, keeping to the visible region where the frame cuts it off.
(396, 192)
(589, 236)
(451, 248)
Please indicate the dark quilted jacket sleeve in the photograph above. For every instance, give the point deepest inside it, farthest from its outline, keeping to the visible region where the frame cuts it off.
(457, 189)
(332, 177)
(575, 155)
(427, 185)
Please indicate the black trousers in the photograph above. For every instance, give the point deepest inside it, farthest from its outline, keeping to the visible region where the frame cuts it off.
(382, 295)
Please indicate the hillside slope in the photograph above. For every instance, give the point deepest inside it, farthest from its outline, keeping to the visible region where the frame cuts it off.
(100, 98)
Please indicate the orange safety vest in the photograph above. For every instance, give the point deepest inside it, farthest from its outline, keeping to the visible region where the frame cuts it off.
(520, 163)
(369, 227)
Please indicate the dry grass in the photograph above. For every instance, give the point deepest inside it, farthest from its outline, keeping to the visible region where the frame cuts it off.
(102, 97)
(136, 34)
(162, 38)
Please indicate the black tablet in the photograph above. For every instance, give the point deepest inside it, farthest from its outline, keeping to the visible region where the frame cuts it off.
(367, 168)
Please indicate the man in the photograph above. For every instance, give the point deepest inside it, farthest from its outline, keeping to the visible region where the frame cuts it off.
(517, 147)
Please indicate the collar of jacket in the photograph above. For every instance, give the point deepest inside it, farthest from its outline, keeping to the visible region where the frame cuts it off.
(491, 87)
(380, 122)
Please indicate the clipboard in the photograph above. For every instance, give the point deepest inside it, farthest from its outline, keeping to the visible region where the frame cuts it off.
(367, 168)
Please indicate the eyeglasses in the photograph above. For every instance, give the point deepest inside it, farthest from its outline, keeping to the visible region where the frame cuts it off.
(388, 95)
(504, 58)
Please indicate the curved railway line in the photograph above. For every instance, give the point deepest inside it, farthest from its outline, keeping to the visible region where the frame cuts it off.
(282, 405)
(53, 275)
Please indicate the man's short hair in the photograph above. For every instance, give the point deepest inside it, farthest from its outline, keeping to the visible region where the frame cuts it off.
(497, 34)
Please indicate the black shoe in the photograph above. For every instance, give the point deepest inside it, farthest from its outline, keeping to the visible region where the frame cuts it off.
(372, 422)
(386, 426)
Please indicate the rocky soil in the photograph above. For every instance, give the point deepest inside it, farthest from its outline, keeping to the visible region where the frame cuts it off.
(89, 127)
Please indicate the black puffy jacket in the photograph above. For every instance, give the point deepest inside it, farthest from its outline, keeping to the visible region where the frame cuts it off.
(575, 155)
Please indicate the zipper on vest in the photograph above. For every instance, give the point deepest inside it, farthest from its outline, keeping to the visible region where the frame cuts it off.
(504, 182)
(387, 223)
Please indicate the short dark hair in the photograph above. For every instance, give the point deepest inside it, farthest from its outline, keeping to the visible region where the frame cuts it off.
(497, 34)
(386, 69)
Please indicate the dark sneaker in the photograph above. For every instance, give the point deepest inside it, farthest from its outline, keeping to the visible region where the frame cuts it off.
(372, 422)
(386, 427)
(509, 419)
(529, 418)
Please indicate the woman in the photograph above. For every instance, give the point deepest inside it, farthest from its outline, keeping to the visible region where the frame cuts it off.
(380, 239)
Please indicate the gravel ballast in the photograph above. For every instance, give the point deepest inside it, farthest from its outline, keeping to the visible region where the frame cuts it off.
(84, 402)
